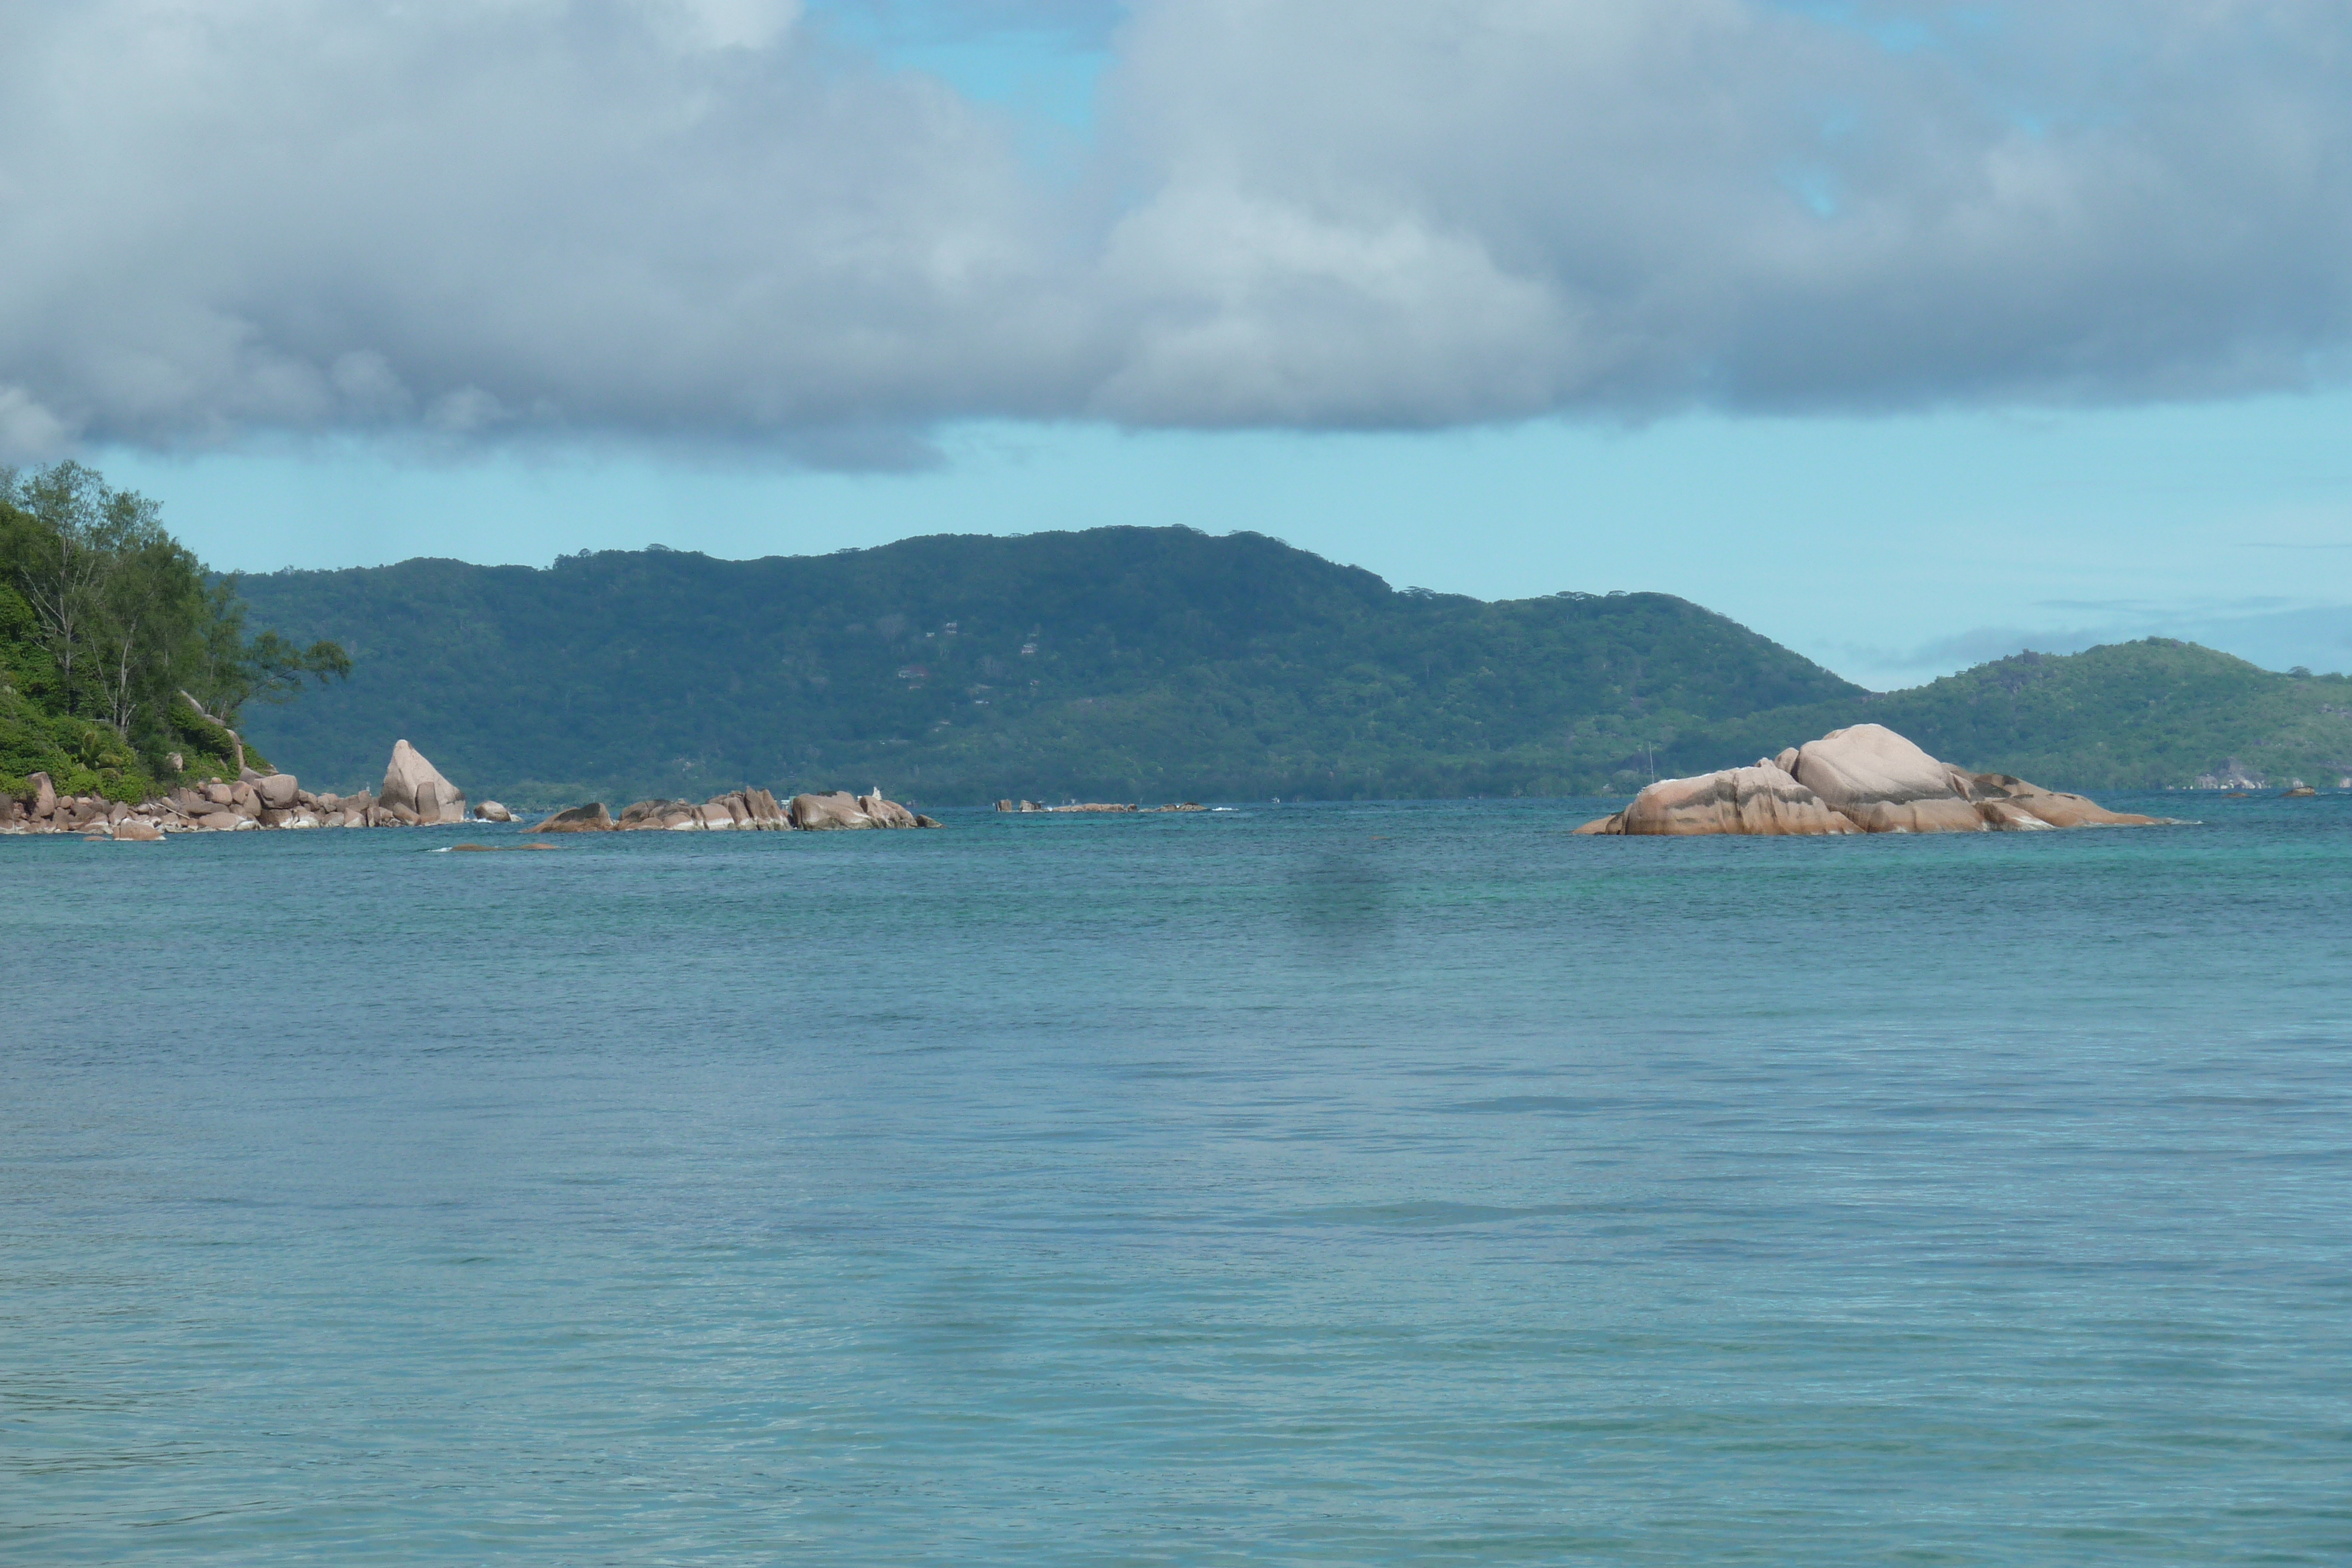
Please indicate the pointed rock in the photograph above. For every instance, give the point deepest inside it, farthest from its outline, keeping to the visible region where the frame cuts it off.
(413, 784)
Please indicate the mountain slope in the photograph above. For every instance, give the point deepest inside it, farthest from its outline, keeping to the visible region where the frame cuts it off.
(2150, 714)
(1120, 662)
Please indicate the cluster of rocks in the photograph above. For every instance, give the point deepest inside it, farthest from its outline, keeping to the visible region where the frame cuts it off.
(1092, 805)
(1863, 780)
(743, 810)
(414, 794)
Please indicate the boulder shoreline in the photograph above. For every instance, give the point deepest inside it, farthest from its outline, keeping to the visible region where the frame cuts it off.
(415, 794)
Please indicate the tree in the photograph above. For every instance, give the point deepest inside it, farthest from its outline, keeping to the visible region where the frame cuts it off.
(64, 559)
(124, 623)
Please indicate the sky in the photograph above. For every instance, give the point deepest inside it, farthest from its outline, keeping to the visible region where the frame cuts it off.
(1908, 334)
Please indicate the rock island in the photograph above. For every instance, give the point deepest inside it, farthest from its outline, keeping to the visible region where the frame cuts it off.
(1863, 780)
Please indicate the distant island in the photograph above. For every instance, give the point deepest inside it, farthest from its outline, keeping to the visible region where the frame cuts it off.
(1163, 664)
(1113, 664)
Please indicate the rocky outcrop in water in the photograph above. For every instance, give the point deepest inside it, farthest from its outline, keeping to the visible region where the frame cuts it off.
(413, 786)
(1865, 779)
(590, 818)
(741, 810)
(417, 794)
(1760, 800)
(842, 810)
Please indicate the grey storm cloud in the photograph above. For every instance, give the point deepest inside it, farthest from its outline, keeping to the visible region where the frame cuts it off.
(716, 220)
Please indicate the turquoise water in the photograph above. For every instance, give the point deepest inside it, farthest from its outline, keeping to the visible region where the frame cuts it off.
(1346, 1184)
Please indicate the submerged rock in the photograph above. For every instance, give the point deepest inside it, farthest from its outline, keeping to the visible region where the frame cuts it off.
(590, 818)
(491, 812)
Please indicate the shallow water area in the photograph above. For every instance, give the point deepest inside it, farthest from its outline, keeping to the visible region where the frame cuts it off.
(1402, 1183)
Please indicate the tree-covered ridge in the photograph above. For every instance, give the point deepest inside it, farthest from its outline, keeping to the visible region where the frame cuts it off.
(123, 667)
(2150, 714)
(1115, 663)
(1160, 663)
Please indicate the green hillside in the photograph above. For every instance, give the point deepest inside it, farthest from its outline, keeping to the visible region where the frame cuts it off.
(2152, 715)
(1118, 663)
(108, 628)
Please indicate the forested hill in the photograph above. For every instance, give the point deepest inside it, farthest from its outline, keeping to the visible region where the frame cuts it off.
(1115, 664)
(2152, 715)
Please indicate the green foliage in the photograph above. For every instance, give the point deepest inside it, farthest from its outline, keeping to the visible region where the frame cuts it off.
(105, 622)
(2152, 715)
(1159, 664)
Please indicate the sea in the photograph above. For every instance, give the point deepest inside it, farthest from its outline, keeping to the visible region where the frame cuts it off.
(1403, 1182)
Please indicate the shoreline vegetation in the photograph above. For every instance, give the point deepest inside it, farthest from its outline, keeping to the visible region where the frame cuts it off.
(125, 666)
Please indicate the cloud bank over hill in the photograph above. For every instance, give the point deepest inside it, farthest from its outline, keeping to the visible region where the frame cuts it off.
(717, 220)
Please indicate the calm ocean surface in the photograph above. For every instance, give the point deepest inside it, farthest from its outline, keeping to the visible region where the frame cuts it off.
(1302, 1184)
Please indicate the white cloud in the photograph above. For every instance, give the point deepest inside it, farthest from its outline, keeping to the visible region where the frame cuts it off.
(703, 219)
(696, 25)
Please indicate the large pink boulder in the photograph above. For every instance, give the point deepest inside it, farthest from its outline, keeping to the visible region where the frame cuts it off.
(1884, 784)
(1761, 800)
(842, 810)
(838, 809)
(885, 813)
(412, 784)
